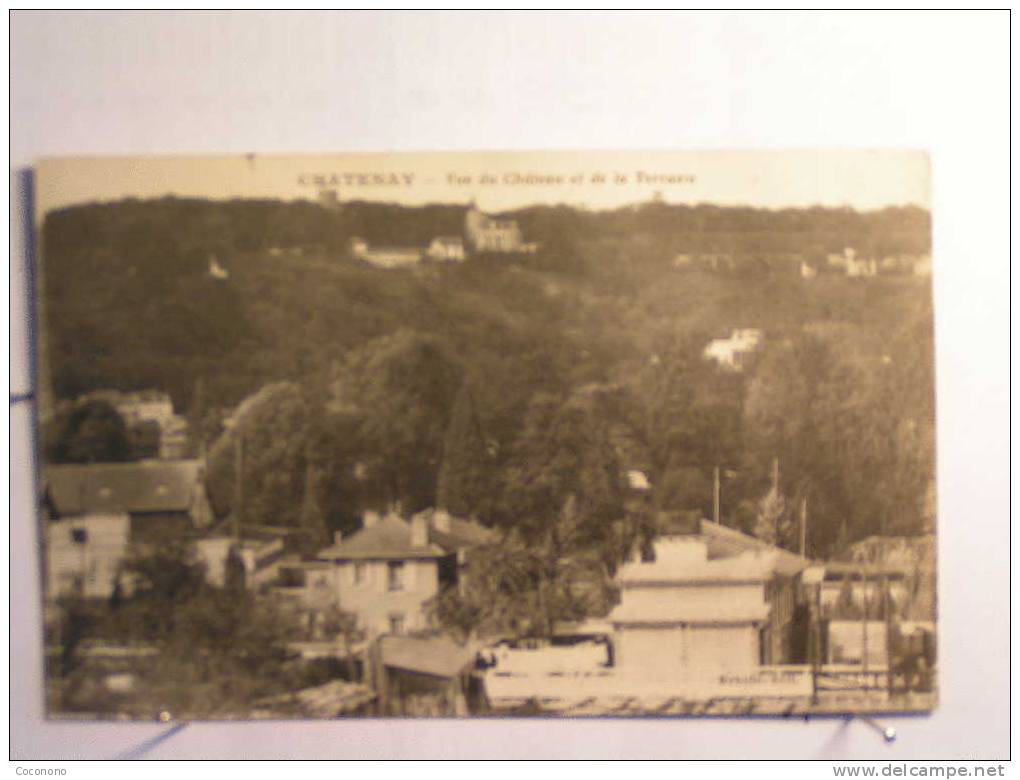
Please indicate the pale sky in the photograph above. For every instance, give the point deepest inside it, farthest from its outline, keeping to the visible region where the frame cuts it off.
(506, 180)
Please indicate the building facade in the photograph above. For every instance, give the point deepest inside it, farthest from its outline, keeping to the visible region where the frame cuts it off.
(728, 353)
(95, 514)
(485, 234)
(447, 249)
(149, 407)
(702, 603)
(386, 573)
(386, 256)
(84, 554)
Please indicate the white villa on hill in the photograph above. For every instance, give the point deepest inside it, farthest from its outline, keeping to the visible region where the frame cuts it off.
(448, 249)
(728, 353)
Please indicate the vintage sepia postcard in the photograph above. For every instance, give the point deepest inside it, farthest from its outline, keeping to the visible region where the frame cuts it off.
(486, 434)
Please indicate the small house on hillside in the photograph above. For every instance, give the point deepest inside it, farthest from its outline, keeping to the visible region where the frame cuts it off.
(217, 271)
(728, 353)
(94, 513)
(148, 407)
(852, 264)
(449, 249)
(861, 267)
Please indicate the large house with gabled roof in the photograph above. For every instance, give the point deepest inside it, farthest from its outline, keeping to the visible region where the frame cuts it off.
(386, 573)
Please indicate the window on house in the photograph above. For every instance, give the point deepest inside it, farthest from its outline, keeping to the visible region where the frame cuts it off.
(395, 572)
(397, 623)
(79, 535)
(359, 573)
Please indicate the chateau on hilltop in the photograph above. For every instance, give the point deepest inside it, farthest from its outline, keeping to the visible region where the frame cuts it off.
(485, 234)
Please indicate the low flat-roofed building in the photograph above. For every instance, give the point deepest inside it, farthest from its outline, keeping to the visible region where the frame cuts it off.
(386, 256)
(717, 599)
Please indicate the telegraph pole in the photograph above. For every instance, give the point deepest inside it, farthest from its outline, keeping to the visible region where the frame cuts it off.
(864, 626)
(715, 495)
(803, 527)
(238, 483)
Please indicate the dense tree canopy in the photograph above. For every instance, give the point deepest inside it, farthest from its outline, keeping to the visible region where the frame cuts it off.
(401, 389)
(518, 390)
(89, 432)
(257, 469)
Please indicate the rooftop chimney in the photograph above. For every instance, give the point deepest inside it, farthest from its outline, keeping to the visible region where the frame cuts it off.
(338, 537)
(420, 530)
(369, 518)
(441, 520)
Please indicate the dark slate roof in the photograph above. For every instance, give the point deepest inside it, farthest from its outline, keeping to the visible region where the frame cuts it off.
(390, 538)
(143, 486)
(726, 542)
(453, 533)
(436, 656)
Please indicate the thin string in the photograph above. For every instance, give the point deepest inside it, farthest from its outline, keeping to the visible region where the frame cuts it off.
(139, 751)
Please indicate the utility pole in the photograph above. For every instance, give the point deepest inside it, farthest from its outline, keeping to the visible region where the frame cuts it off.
(715, 495)
(816, 654)
(864, 626)
(238, 483)
(803, 527)
(887, 617)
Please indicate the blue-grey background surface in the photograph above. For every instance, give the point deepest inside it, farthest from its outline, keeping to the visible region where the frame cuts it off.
(177, 83)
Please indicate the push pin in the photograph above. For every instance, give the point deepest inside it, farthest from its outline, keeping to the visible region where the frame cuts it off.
(888, 732)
